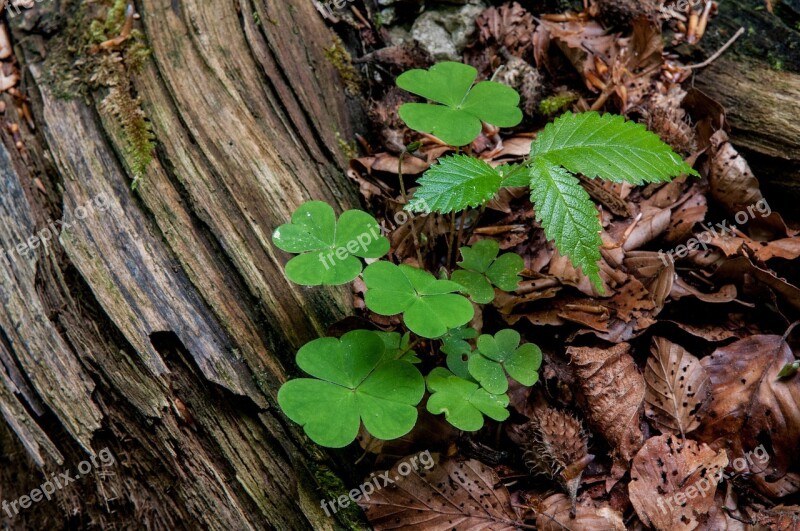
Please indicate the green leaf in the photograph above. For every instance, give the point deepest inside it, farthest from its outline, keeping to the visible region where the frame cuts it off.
(610, 147)
(790, 369)
(463, 402)
(567, 215)
(455, 183)
(464, 105)
(430, 307)
(514, 175)
(482, 268)
(352, 383)
(329, 249)
(397, 347)
(458, 350)
(501, 354)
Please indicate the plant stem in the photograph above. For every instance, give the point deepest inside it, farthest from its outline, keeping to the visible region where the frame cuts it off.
(413, 228)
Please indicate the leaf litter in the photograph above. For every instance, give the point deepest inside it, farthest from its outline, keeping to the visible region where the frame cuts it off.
(656, 391)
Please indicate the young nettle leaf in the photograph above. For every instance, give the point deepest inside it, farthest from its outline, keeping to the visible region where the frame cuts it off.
(463, 402)
(352, 383)
(458, 350)
(567, 215)
(482, 268)
(464, 104)
(430, 307)
(503, 354)
(455, 183)
(609, 147)
(514, 175)
(397, 347)
(329, 248)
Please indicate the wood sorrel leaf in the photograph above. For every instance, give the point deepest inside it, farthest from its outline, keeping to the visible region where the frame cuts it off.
(430, 307)
(329, 249)
(353, 383)
(464, 105)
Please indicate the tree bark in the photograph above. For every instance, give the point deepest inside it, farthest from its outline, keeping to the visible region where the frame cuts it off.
(161, 327)
(758, 83)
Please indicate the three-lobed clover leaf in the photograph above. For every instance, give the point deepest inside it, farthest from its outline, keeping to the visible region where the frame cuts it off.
(460, 105)
(353, 383)
(501, 354)
(463, 402)
(458, 350)
(482, 268)
(430, 307)
(397, 347)
(329, 248)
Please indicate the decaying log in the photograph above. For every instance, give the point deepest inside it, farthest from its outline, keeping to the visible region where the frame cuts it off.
(758, 83)
(161, 326)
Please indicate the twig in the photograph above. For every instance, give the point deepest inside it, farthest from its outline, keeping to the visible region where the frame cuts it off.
(718, 52)
(413, 228)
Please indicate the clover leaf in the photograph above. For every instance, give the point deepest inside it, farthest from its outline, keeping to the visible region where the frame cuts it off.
(329, 248)
(463, 402)
(352, 383)
(458, 350)
(482, 268)
(464, 104)
(397, 347)
(503, 354)
(429, 306)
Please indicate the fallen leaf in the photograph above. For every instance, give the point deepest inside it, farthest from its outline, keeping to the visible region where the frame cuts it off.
(677, 387)
(452, 494)
(555, 514)
(673, 482)
(750, 405)
(614, 391)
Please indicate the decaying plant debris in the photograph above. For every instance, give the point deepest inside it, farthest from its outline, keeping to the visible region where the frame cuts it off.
(672, 371)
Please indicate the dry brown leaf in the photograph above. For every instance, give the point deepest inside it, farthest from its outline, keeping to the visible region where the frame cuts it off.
(452, 494)
(554, 514)
(673, 482)
(677, 387)
(736, 188)
(614, 391)
(750, 405)
(741, 266)
(779, 518)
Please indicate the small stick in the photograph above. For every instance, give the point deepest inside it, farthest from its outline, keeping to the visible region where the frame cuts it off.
(718, 52)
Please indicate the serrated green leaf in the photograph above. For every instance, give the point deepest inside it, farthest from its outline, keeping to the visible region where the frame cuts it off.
(567, 215)
(430, 307)
(482, 268)
(609, 147)
(352, 383)
(329, 248)
(501, 354)
(514, 175)
(458, 120)
(455, 183)
(463, 403)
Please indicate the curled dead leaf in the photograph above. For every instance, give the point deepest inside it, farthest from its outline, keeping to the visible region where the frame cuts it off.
(614, 391)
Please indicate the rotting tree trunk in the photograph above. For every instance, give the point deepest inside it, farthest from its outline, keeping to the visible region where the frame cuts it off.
(758, 83)
(162, 327)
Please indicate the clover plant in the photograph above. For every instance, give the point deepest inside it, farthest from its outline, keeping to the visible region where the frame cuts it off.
(375, 379)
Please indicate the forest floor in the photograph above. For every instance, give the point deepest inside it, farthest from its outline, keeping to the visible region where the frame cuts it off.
(669, 401)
